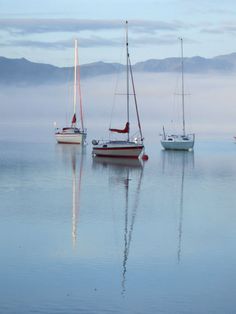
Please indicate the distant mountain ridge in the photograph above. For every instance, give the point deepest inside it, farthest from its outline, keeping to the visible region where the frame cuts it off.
(23, 71)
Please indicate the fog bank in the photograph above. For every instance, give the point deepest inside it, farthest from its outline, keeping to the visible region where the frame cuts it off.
(30, 112)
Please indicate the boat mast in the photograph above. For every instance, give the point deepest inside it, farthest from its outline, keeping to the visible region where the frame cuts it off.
(182, 70)
(127, 73)
(79, 88)
(75, 76)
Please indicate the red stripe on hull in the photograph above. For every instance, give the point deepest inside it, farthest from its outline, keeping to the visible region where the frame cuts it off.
(116, 156)
(117, 148)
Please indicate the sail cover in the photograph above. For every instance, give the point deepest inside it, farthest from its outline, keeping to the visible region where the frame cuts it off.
(125, 130)
(74, 118)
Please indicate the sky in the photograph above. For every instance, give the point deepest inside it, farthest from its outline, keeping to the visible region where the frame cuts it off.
(44, 31)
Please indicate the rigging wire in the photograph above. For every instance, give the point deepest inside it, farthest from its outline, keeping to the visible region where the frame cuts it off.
(118, 75)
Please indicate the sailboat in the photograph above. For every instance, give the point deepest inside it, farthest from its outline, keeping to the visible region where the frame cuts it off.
(72, 134)
(179, 141)
(128, 148)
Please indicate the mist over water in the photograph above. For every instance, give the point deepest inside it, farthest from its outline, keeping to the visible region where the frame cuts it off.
(91, 235)
(209, 105)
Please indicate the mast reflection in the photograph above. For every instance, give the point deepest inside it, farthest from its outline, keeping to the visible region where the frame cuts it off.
(177, 163)
(129, 174)
(73, 155)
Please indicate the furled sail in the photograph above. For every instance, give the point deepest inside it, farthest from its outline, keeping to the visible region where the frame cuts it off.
(125, 130)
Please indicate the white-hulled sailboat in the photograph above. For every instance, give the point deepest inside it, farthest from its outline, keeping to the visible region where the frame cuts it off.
(128, 148)
(72, 134)
(179, 141)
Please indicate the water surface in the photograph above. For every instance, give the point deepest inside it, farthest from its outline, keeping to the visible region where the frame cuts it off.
(86, 235)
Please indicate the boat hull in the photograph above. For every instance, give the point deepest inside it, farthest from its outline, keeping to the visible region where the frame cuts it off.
(118, 151)
(177, 145)
(66, 138)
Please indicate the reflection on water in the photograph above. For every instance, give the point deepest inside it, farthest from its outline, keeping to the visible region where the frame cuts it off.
(159, 239)
(116, 164)
(74, 155)
(120, 172)
(174, 161)
(178, 162)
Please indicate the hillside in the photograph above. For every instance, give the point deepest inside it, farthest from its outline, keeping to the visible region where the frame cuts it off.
(22, 71)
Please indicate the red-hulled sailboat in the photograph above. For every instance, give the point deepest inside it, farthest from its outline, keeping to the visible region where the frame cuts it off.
(128, 148)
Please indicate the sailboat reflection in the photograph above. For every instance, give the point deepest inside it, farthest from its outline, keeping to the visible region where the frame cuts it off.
(177, 163)
(74, 155)
(117, 164)
(129, 174)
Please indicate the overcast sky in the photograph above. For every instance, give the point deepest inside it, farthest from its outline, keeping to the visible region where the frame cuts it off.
(43, 31)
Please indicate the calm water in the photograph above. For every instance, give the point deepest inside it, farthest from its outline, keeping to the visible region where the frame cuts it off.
(85, 235)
